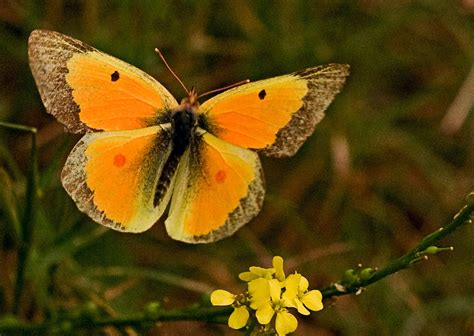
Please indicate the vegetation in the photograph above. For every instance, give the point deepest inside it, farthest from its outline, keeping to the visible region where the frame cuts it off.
(391, 163)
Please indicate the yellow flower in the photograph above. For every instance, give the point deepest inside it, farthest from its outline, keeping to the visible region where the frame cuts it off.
(268, 298)
(256, 272)
(298, 296)
(239, 317)
(267, 301)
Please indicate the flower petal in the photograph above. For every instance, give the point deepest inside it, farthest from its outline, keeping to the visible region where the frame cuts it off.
(262, 272)
(291, 284)
(303, 286)
(247, 276)
(313, 300)
(275, 290)
(222, 297)
(239, 317)
(285, 323)
(265, 313)
(301, 308)
(259, 292)
(278, 266)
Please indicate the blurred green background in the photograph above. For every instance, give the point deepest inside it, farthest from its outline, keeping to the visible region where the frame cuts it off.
(391, 162)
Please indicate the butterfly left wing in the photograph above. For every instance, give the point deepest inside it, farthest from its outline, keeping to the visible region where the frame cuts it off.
(276, 115)
(112, 176)
(218, 188)
(86, 89)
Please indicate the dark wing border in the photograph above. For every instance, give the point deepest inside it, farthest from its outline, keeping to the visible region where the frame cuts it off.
(324, 82)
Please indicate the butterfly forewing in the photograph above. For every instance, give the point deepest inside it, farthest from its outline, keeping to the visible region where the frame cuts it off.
(86, 89)
(276, 115)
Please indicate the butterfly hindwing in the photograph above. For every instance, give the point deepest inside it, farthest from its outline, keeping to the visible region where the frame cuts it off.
(112, 176)
(276, 115)
(219, 187)
(86, 89)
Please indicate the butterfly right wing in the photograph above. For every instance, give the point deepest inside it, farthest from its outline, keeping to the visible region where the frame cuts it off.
(219, 187)
(113, 176)
(86, 89)
(275, 115)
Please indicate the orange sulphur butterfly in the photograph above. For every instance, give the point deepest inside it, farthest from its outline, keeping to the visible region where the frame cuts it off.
(142, 152)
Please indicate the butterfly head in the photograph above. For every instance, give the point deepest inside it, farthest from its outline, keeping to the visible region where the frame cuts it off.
(191, 100)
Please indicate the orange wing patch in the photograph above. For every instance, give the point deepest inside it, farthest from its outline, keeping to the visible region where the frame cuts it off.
(112, 95)
(112, 176)
(275, 115)
(250, 115)
(217, 195)
(86, 89)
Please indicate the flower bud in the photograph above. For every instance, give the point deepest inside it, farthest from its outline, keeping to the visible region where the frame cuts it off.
(366, 273)
(434, 249)
(349, 276)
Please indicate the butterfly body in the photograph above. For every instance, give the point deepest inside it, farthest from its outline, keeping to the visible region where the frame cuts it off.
(142, 152)
(184, 131)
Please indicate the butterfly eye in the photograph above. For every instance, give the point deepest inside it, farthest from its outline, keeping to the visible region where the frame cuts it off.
(262, 94)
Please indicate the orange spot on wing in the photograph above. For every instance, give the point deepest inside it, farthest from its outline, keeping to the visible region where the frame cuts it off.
(220, 176)
(119, 160)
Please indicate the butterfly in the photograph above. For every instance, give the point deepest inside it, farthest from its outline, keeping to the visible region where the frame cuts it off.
(142, 152)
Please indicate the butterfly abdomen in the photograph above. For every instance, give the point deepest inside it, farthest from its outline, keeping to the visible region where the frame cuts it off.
(183, 123)
(169, 169)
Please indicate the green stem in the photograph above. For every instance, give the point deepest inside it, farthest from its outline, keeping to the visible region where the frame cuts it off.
(18, 127)
(207, 314)
(405, 261)
(27, 222)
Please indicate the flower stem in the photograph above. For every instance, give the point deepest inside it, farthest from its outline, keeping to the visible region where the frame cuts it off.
(208, 314)
(405, 261)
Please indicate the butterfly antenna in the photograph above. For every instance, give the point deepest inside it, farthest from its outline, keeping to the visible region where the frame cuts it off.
(246, 81)
(170, 70)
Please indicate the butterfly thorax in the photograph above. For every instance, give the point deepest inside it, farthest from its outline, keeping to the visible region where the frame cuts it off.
(184, 121)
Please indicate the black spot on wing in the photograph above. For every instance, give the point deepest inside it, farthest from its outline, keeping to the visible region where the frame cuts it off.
(115, 76)
(262, 94)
